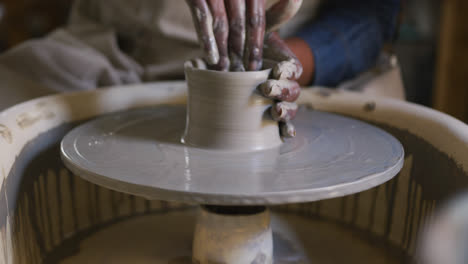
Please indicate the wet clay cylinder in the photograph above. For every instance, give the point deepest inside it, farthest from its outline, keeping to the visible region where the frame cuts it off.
(236, 237)
(225, 111)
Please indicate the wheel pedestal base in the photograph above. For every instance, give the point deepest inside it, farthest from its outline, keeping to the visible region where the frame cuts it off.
(227, 234)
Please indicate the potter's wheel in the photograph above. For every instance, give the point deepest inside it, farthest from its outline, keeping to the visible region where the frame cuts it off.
(139, 152)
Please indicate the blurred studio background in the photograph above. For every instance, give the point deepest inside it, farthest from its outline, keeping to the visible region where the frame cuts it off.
(432, 45)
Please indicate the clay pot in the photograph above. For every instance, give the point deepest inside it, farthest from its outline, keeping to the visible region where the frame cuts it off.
(225, 111)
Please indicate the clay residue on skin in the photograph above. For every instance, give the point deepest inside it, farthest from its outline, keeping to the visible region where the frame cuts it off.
(276, 49)
(282, 90)
(255, 30)
(221, 33)
(236, 12)
(5, 133)
(284, 111)
(28, 119)
(287, 70)
(203, 21)
(272, 88)
(287, 129)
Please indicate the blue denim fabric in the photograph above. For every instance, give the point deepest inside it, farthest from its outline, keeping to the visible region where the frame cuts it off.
(348, 36)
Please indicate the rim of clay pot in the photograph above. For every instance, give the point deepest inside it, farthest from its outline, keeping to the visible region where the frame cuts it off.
(238, 77)
(267, 66)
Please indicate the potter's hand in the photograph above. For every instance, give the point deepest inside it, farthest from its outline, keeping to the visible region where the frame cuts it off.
(282, 87)
(231, 32)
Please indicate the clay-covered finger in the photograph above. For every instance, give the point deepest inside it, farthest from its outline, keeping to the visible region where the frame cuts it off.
(283, 111)
(255, 30)
(281, 90)
(236, 16)
(289, 67)
(221, 33)
(197, 63)
(280, 12)
(287, 70)
(287, 129)
(203, 21)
